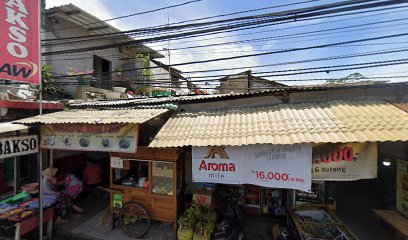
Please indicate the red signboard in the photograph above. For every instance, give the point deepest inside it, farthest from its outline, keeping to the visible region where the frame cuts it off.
(19, 43)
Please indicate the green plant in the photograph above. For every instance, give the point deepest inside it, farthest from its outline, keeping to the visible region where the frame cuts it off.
(145, 59)
(142, 90)
(50, 89)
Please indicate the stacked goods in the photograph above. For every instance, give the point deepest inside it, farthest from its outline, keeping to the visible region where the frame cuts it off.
(17, 214)
(316, 222)
(197, 223)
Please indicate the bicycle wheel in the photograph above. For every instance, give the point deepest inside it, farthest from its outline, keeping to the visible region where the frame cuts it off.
(134, 219)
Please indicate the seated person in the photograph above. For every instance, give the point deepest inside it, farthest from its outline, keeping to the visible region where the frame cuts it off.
(66, 196)
(49, 181)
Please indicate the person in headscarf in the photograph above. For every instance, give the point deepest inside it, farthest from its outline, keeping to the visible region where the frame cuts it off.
(50, 188)
(50, 181)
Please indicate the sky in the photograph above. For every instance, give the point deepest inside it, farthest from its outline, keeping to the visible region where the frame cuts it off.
(105, 9)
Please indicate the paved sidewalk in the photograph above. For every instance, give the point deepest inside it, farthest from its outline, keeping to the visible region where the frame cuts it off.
(92, 230)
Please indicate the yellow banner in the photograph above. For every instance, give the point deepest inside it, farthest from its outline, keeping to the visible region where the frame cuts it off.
(344, 161)
(90, 137)
(402, 187)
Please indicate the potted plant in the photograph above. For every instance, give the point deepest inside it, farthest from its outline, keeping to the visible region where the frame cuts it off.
(83, 77)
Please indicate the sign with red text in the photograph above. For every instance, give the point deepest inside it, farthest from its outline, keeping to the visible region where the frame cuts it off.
(19, 44)
(90, 137)
(218, 164)
(344, 161)
(277, 166)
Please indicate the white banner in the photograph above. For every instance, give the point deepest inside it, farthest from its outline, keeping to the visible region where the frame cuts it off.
(277, 166)
(18, 146)
(344, 161)
(90, 137)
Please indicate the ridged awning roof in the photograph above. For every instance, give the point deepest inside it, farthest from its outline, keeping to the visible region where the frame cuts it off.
(10, 127)
(95, 116)
(316, 122)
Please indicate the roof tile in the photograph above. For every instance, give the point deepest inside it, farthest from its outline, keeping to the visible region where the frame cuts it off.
(316, 122)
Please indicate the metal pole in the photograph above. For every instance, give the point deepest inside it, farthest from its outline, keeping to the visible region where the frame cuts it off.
(40, 165)
(51, 157)
(168, 49)
(15, 175)
(40, 186)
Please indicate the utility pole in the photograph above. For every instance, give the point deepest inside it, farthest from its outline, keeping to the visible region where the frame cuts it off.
(168, 48)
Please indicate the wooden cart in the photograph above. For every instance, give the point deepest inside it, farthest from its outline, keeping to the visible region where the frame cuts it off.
(163, 193)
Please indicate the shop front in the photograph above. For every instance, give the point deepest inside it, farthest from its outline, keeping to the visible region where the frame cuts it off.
(300, 171)
(111, 141)
(19, 213)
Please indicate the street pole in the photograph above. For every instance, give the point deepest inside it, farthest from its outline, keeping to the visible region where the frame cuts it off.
(40, 165)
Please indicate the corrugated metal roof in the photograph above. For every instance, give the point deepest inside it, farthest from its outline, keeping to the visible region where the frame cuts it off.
(10, 127)
(151, 100)
(95, 116)
(318, 122)
(192, 98)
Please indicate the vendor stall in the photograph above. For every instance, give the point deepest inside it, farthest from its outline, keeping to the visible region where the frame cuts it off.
(20, 214)
(151, 177)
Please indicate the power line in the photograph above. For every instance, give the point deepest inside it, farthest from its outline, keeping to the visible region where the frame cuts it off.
(126, 16)
(252, 17)
(301, 71)
(279, 51)
(286, 36)
(257, 22)
(301, 26)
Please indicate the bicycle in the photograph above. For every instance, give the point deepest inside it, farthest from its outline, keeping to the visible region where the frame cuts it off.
(134, 218)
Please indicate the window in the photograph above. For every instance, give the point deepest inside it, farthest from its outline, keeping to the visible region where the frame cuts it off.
(162, 177)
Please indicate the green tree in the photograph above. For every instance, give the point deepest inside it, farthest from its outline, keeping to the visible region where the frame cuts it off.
(50, 89)
(354, 77)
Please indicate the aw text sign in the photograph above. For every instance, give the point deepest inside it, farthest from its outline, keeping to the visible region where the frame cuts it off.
(19, 44)
(18, 146)
(342, 162)
(278, 166)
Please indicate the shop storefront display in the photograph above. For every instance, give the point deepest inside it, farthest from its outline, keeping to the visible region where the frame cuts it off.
(21, 211)
(151, 177)
(15, 161)
(316, 195)
(317, 222)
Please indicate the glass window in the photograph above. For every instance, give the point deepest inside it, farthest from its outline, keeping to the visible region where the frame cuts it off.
(134, 175)
(162, 176)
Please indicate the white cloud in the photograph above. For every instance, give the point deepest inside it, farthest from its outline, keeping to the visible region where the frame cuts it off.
(186, 12)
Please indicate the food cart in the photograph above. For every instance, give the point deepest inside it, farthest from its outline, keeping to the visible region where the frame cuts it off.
(151, 177)
(313, 222)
